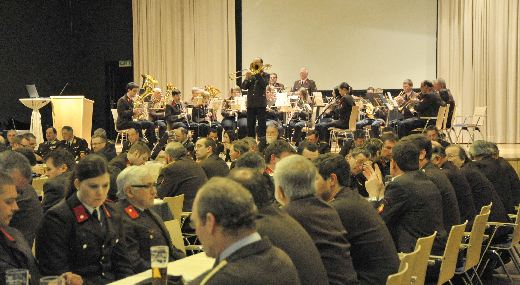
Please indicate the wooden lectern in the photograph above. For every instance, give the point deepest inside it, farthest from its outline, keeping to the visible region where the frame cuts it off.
(73, 111)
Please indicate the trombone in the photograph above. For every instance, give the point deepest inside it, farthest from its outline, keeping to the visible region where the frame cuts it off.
(253, 68)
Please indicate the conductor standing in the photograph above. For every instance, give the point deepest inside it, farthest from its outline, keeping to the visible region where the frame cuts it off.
(256, 100)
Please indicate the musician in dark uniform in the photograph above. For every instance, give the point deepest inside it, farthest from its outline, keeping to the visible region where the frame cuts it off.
(15, 252)
(273, 81)
(156, 111)
(143, 228)
(272, 115)
(305, 82)
(256, 99)
(300, 116)
(428, 106)
(75, 145)
(203, 117)
(175, 114)
(126, 111)
(83, 234)
(234, 119)
(50, 144)
(344, 106)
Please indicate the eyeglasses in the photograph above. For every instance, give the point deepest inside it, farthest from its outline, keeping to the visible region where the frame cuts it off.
(146, 186)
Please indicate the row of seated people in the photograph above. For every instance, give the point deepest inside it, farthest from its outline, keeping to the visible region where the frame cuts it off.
(325, 210)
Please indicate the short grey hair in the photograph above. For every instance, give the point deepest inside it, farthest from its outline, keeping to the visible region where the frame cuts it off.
(175, 150)
(231, 204)
(130, 176)
(408, 81)
(11, 161)
(296, 175)
(441, 82)
(480, 148)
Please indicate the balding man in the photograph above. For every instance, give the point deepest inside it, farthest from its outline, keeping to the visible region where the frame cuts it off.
(136, 193)
(224, 217)
(181, 175)
(295, 188)
(304, 82)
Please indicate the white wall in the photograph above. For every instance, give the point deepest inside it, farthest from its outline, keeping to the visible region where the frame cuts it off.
(364, 42)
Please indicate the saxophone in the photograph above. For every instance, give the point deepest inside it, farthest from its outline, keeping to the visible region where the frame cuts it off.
(148, 84)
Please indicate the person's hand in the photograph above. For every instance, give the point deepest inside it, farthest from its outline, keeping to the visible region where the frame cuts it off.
(248, 75)
(374, 184)
(72, 279)
(138, 111)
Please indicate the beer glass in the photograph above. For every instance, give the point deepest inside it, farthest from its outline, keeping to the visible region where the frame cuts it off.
(159, 256)
(52, 280)
(17, 277)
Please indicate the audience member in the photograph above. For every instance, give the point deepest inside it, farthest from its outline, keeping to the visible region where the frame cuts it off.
(274, 152)
(366, 231)
(294, 179)
(308, 150)
(238, 148)
(224, 216)
(77, 146)
(282, 230)
(138, 154)
(509, 170)
(60, 165)
(132, 137)
(11, 134)
(272, 134)
(27, 219)
(136, 192)
(253, 146)
(389, 139)
(313, 137)
(82, 234)
(251, 160)
(349, 145)
(432, 133)
(359, 160)
(181, 175)
(212, 164)
(14, 249)
(101, 146)
(51, 143)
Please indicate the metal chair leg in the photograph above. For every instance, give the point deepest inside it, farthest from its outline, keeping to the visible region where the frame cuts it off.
(513, 258)
(502, 264)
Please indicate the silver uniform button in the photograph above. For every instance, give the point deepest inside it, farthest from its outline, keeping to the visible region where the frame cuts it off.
(151, 236)
(85, 246)
(117, 240)
(103, 273)
(103, 246)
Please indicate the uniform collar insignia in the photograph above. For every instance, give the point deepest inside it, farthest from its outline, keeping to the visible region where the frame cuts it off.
(132, 212)
(6, 234)
(80, 213)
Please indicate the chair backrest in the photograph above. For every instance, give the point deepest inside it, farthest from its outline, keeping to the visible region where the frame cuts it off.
(453, 117)
(478, 115)
(354, 116)
(114, 115)
(515, 239)
(486, 209)
(424, 245)
(445, 118)
(174, 229)
(451, 253)
(175, 204)
(397, 279)
(409, 258)
(476, 238)
(440, 117)
(313, 116)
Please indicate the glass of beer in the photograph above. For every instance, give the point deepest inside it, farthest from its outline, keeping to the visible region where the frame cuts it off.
(52, 280)
(159, 256)
(17, 277)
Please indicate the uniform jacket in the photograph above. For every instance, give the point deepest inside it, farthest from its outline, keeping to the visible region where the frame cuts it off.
(46, 147)
(54, 190)
(256, 90)
(125, 112)
(76, 147)
(308, 83)
(15, 253)
(28, 218)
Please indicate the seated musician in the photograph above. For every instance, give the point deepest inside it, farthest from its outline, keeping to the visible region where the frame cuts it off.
(344, 106)
(156, 110)
(406, 99)
(273, 81)
(175, 113)
(440, 86)
(234, 119)
(428, 106)
(375, 117)
(300, 116)
(304, 81)
(126, 112)
(204, 117)
(273, 116)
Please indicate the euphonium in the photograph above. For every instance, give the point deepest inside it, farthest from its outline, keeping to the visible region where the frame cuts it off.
(168, 97)
(148, 84)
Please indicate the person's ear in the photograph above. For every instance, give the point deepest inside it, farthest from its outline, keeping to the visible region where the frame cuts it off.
(63, 168)
(333, 179)
(422, 154)
(279, 195)
(211, 223)
(128, 192)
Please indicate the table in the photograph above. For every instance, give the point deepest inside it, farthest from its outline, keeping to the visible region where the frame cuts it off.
(189, 267)
(37, 184)
(36, 119)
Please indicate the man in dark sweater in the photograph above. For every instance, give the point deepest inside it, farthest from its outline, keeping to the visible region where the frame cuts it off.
(212, 164)
(295, 178)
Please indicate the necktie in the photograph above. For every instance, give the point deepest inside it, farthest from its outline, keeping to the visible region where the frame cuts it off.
(95, 215)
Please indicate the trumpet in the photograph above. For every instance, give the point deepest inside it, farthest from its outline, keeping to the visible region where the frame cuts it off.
(253, 68)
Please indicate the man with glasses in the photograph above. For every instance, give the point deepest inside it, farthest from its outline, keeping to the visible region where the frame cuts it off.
(142, 227)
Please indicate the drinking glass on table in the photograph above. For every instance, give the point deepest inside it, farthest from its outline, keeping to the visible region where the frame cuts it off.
(52, 280)
(17, 277)
(159, 256)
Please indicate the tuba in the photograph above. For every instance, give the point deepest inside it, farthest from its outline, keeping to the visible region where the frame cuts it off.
(139, 101)
(168, 98)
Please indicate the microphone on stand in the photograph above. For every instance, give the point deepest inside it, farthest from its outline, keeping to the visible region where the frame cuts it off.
(66, 84)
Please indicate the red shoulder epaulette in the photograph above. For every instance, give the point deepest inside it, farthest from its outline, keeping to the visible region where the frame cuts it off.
(107, 213)
(6, 234)
(131, 212)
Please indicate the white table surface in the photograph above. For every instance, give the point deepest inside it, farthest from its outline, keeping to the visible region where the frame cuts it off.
(189, 267)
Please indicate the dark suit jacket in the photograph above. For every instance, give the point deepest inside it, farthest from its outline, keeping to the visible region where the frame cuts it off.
(46, 147)
(142, 230)
(514, 181)
(183, 176)
(258, 263)
(15, 253)
(115, 166)
(448, 99)
(28, 218)
(288, 235)
(324, 226)
(309, 84)
(373, 251)
(69, 239)
(462, 190)
(172, 113)
(429, 105)
(412, 209)
(450, 205)
(256, 90)
(77, 146)
(495, 173)
(345, 109)
(109, 151)
(54, 190)
(215, 166)
(125, 112)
